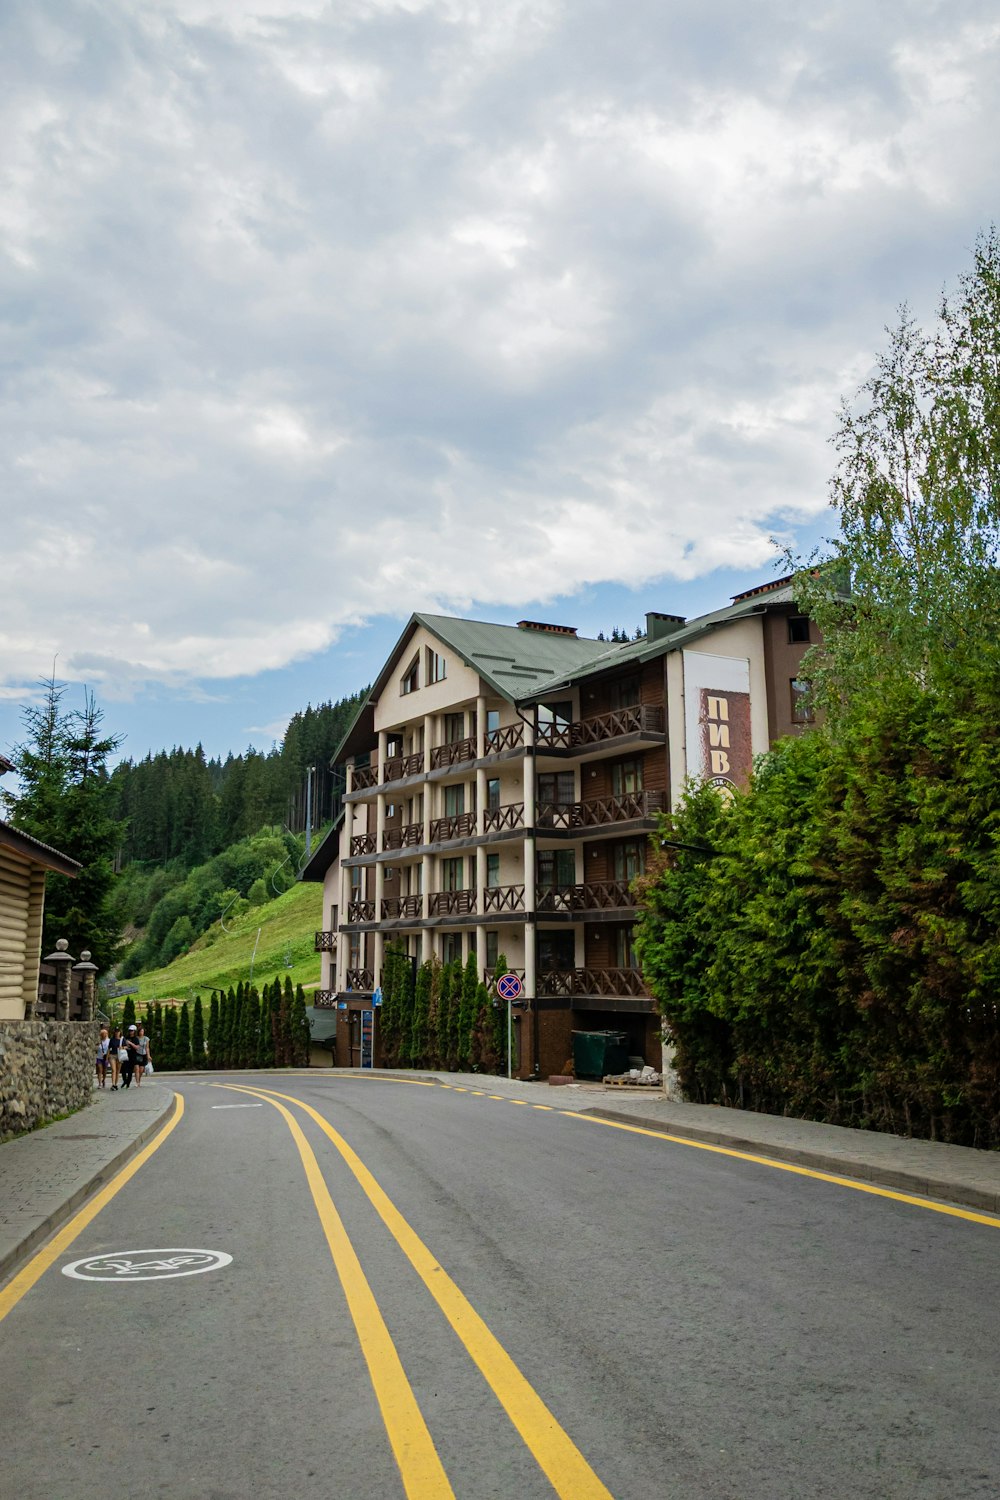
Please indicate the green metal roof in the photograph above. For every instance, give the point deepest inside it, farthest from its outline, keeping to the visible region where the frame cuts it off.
(513, 660)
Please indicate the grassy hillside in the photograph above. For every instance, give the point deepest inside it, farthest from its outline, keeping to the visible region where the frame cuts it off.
(220, 959)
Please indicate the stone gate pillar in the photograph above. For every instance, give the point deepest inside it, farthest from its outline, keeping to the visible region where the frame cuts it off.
(63, 962)
(88, 974)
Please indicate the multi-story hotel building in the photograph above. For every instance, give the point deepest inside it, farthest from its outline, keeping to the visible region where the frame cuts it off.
(502, 784)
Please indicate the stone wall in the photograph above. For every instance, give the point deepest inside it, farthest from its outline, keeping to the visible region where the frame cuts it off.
(46, 1069)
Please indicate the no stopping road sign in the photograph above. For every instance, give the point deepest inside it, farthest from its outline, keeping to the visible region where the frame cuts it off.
(509, 987)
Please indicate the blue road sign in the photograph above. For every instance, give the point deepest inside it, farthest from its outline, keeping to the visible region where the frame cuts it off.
(509, 987)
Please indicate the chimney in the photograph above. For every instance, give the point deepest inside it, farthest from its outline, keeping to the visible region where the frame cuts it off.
(546, 629)
(658, 626)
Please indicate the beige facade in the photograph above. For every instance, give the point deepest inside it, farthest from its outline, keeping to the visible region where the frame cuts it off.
(23, 866)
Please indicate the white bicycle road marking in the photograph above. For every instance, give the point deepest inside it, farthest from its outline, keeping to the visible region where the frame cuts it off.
(146, 1265)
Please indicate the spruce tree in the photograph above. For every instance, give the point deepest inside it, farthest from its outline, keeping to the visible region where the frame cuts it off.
(251, 1021)
(213, 1030)
(283, 1049)
(265, 1035)
(228, 1023)
(182, 1043)
(197, 1035)
(128, 1013)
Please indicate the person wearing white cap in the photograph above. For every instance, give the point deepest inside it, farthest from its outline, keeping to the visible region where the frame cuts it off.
(128, 1068)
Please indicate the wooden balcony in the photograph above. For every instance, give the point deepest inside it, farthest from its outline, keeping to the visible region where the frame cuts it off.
(325, 999)
(413, 765)
(360, 979)
(600, 811)
(501, 898)
(643, 718)
(362, 843)
(450, 755)
(509, 737)
(497, 819)
(452, 903)
(325, 942)
(403, 838)
(361, 911)
(599, 895)
(461, 826)
(612, 983)
(392, 768)
(489, 979)
(394, 907)
(364, 778)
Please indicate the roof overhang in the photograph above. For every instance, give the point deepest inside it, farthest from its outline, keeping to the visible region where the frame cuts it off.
(36, 852)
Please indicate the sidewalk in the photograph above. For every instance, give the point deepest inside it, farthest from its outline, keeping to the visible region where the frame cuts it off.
(47, 1175)
(927, 1169)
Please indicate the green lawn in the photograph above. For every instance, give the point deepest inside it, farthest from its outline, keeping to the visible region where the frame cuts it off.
(220, 959)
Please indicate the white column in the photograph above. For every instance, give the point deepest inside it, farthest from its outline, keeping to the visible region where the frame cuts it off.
(480, 727)
(428, 741)
(481, 950)
(383, 738)
(480, 801)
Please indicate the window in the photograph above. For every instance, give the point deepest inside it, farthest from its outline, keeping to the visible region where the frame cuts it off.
(492, 720)
(454, 728)
(436, 667)
(492, 871)
(357, 876)
(454, 800)
(354, 953)
(556, 787)
(556, 713)
(414, 879)
(492, 949)
(393, 747)
(626, 778)
(493, 794)
(556, 868)
(624, 949)
(410, 680)
(451, 874)
(630, 859)
(390, 809)
(556, 950)
(798, 630)
(624, 693)
(801, 710)
(451, 948)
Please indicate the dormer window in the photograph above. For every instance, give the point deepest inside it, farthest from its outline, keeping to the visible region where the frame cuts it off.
(410, 680)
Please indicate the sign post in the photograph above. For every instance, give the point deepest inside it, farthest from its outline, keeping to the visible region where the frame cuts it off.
(509, 988)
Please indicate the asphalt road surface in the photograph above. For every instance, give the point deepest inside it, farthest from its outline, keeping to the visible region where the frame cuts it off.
(443, 1293)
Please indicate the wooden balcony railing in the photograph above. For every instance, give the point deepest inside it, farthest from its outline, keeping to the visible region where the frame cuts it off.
(403, 838)
(392, 768)
(362, 843)
(361, 911)
(364, 778)
(458, 827)
(508, 737)
(643, 718)
(599, 811)
(489, 979)
(496, 819)
(325, 999)
(413, 765)
(599, 895)
(498, 898)
(448, 755)
(452, 903)
(401, 906)
(610, 982)
(360, 979)
(556, 735)
(325, 942)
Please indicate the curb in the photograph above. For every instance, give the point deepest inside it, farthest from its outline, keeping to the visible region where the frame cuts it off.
(11, 1262)
(918, 1183)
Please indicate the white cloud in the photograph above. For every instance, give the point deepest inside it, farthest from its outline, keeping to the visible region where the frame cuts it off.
(316, 312)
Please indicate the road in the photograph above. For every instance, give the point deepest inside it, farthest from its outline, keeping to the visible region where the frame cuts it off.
(447, 1293)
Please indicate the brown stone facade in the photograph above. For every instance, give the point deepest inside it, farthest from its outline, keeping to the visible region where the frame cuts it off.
(46, 1069)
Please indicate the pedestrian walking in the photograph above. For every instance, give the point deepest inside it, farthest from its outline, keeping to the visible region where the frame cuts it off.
(115, 1051)
(142, 1055)
(128, 1066)
(103, 1048)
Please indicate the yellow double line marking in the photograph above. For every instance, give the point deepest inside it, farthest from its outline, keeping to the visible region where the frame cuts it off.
(557, 1455)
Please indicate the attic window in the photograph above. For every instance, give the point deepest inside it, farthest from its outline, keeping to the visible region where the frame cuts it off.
(436, 667)
(410, 680)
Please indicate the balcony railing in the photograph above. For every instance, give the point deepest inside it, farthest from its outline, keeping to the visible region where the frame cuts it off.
(325, 942)
(452, 903)
(325, 999)
(401, 906)
(642, 718)
(611, 982)
(360, 979)
(364, 777)
(362, 843)
(457, 750)
(500, 898)
(392, 768)
(403, 838)
(599, 895)
(460, 826)
(361, 911)
(496, 819)
(508, 737)
(599, 811)
(413, 765)
(489, 978)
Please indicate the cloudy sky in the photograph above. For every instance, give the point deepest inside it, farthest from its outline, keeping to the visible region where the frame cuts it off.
(317, 313)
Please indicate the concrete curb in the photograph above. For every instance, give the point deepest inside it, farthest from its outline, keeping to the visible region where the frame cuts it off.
(919, 1184)
(13, 1259)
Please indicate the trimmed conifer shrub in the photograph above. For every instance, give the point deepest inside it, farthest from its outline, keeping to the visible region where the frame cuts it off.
(182, 1042)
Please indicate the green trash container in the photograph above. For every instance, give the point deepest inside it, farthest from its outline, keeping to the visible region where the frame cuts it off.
(596, 1053)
